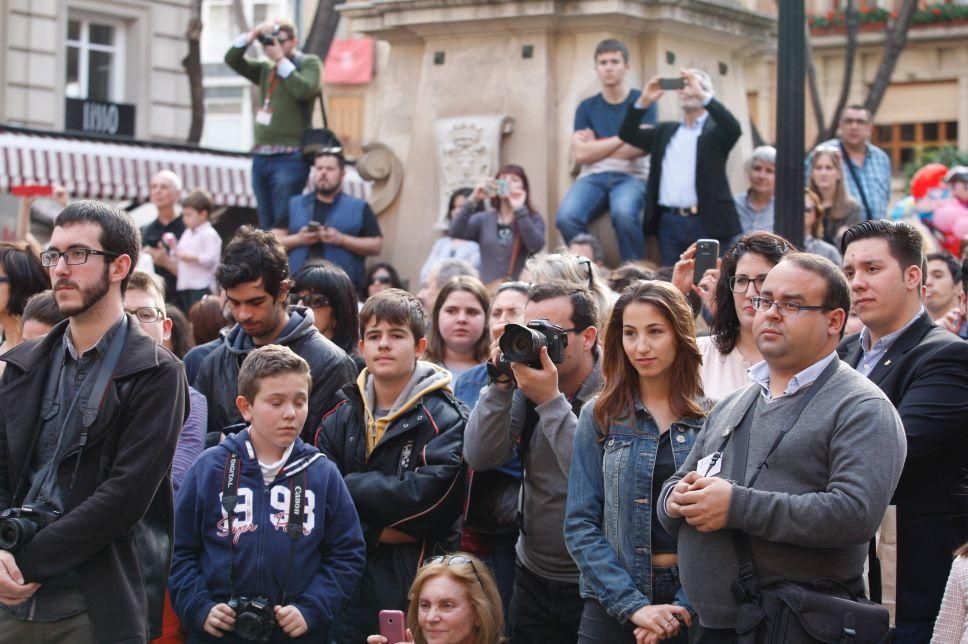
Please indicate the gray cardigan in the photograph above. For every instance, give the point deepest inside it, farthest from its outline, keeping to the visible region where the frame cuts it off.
(481, 227)
(816, 505)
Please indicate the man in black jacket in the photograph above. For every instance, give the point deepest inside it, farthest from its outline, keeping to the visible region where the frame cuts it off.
(923, 369)
(89, 419)
(688, 196)
(255, 275)
(396, 435)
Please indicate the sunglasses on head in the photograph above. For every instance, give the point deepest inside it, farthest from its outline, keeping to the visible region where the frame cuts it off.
(453, 560)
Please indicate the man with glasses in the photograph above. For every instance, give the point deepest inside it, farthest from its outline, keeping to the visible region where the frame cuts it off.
(254, 274)
(329, 224)
(802, 462)
(866, 168)
(89, 419)
(923, 370)
(535, 414)
(288, 81)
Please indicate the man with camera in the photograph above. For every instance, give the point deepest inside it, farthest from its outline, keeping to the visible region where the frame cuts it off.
(544, 373)
(89, 418)
(288, 81)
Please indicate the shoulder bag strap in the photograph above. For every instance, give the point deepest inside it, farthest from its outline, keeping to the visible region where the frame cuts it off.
(860, 187)
(746, 586)
(307, 108)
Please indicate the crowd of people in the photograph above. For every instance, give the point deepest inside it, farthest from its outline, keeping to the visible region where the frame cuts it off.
(529, 448)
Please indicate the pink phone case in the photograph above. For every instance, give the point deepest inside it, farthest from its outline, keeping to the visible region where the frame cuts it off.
(392, 626)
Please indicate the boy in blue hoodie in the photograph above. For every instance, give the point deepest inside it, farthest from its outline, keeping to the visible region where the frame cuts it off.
(267, 540)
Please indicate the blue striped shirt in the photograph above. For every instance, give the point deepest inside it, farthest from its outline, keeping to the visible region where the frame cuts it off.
(874, 176)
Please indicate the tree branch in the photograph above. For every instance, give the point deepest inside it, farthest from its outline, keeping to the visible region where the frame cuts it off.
(852, 22)
(897, 35)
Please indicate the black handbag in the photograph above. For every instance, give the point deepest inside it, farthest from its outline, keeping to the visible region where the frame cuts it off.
(789, 612)
(492, 503)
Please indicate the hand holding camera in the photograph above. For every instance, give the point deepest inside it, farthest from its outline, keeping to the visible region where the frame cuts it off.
(529, 354)
(291, 620)
(220, 619)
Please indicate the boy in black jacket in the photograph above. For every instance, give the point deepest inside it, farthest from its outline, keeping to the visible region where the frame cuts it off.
(397, 437)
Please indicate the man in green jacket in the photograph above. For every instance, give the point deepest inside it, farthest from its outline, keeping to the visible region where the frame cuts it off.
(288, 80)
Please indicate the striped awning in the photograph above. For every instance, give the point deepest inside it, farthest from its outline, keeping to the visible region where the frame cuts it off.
(96, 168)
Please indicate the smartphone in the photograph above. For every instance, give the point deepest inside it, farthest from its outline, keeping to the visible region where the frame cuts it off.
(393, 626)
(29, 190)
(503, 187)
(672, 83)
(707, 252)
(313, 226)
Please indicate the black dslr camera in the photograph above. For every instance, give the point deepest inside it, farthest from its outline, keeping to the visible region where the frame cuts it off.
(269, 38)
(19, 525)
(523, 343)
(254, 618)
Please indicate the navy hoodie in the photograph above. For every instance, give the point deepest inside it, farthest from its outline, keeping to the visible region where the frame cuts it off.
(328, 559)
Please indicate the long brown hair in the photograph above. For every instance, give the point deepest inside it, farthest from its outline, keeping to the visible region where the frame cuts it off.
(842, 203)
(435, 342)
(617, 399)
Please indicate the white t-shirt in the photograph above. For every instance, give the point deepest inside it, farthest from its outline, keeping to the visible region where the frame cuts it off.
(270, 470)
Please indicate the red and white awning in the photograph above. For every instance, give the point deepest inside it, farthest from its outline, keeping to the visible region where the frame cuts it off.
(98, 169)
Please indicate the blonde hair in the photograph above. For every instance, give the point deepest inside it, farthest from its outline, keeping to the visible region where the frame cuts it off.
(481, 589)
(576, 270)
(841, 207)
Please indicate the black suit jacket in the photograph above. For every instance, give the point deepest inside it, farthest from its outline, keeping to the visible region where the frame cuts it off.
(715, 199)
(925, 374)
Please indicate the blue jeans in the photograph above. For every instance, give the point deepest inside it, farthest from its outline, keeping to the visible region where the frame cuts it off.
(676, 234)
(913, 632)
(598, 626)
(276, 178)
(621, 194)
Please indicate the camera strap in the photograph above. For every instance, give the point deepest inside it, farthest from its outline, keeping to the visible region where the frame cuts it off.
(860, 188)
(230, 498)
(294, 523)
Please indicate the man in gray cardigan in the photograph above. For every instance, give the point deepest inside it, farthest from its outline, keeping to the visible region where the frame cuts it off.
(824, 489)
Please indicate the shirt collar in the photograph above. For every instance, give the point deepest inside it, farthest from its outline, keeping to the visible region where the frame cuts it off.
(101, 346)
(760, 374)
(698, 124)
(886, 341)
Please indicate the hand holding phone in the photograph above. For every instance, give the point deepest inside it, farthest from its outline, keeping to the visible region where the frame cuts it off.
(313, 226)
(393, 626)
(671, 83)
(707, 252)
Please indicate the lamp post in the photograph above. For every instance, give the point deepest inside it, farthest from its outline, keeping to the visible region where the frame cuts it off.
(790, 118)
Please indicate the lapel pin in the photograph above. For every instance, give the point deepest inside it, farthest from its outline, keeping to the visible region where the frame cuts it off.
(887, 362)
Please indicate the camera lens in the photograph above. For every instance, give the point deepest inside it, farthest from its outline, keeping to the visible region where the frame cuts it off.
(15, 533)
(521, 344)
(249, 625)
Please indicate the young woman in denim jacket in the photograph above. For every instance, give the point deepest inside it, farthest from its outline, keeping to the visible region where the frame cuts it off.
(629, 441)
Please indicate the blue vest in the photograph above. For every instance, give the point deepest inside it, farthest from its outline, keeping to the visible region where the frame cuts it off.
(345, 215)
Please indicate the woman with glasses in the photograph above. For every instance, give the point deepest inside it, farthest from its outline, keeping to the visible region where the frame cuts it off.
(453, 600)
(380, 277)
(629, 440)
(458, 338)
(839, 210)
(813, 241)
(507, 233)
(730, 349)
(21, 275)
(327, 290)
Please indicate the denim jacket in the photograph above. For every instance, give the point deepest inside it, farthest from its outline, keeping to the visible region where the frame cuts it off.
(608, 520)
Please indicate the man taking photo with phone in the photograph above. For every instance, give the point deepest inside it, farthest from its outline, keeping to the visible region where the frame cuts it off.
(328, 223)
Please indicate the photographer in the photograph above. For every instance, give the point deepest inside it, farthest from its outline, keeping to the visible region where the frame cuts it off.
(288, 81)
(540, 416)
(89, 419)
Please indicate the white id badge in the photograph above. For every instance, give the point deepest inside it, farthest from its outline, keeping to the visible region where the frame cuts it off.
(710, 465)
(263, 117)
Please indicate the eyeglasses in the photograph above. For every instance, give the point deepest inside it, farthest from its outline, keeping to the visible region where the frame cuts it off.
(587, 263)
(454, 560)
(312, 300)
(741, 283)
(147, 314)
(792, 309)
(381, 279)
(72, 256)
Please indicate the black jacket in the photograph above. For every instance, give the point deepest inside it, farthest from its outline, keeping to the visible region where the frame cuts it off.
(717, 210)
(116, 531)
(925, 375)
(329, 366)
(412, 481)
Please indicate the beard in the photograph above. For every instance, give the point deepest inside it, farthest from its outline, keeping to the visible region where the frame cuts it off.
(90, 295)
(328, 191)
